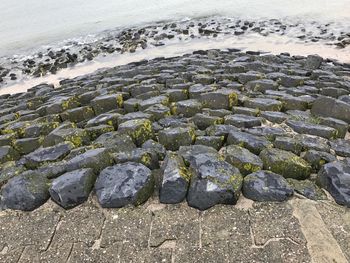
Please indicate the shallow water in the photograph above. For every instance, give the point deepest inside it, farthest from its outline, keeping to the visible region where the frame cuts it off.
(26, 24)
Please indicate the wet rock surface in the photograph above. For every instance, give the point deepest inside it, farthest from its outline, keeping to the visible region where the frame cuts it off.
(194, 126)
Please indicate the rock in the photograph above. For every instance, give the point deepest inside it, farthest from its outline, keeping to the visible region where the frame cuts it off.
(313, 62)
(261, 85)
(155, 147)
(335, 178)
(215, 142)
(285, 163)
(143, 156)
(341, 126)
(27, 145)
(45, 155)
(97, 131)
(203, 121)
(187, 108)
(139, 130)
(25, 192)
(173, 138)
(253, 143)
(72, 188)
(213, 182)
(60, 104)
(330, 107)
(341, 147)
(190, 153)
(9, 170)
(78, 114)
(309, 142)
(77, 137)
(164, 100)
(158, 111)
(176, 178)
(288, 144)
(220, 130)
(242, 121)
(219, 99)
(241, 158)
(307, 189)
(104, 103)
(317, 159)
(96, 159)
(7, 139)
(115, 142)
(312, 129)
(7, 153)
(274, 116)
(263, 104)
(123, 184)
(270, 133)
(264, 186)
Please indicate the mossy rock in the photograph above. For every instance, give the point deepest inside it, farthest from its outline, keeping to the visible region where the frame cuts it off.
(285, 163)
(76, 136)
(173, 138)
(307, 188)
(140, 130)
(7, 153)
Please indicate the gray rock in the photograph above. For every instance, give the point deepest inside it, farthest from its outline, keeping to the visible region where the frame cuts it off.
(213, 182)
(253, 143)
(187, 108)
(307, 188)
(139, 130)
(176, 178)
(72, 188)
(173, 138)
(138, 155)
(25, 192)
(335, 178)
(49, 154)
(219, 99)
(312, 129)
(330, 107)
(124, 184)
(215, 142)
(341, 147)
(155, 147)
(241, 158)
(7, 153)
(263, 104)
(266, 186)
(104, 103)
(76, 136)
(285, 163)
(242, 121)
(190, 153)
(115, 142)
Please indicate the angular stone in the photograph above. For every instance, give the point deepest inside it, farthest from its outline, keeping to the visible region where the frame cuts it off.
(77, 137)
(203, 121)
(274, 116)
(335, 178)
(219, 99)
(158, 111)
(269, 133)
(139, 130)
(123, 184)
(309, 142)
(213, 182)
(48, 154)
(104, 119)
(104, 103)
(263, 186)
(285, 163)
(176, 178)
(7, 153)
(97, 131)
(39, 129)
(96, 159)
(313, 62)
(187, 108)
(241, 158)
(164, 100)
(78, 114)
(253, 143)
(115, 142)
(177, 94)
(60, 104)
(242, 121)
(9, 170)
(27, 145)
(291, 81)
(330, 107)
(317, 159)
(155, 147)
(25, 192)
(312, 129)
(341, 147)
(72, 188)
(7, 139)
(215, 142)
(262, 85)
(143, 156)
(263, 104)
(341, 126)
(173, 138)
(190, 153)
(220, 130)
(307, 188)
(132, 105)
(196, 90)
(135, 116)
(288, 144)
(295, 103)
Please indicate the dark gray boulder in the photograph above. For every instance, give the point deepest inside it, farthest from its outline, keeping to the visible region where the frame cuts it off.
(253, 143)
(266, 186)
(213, 182)
(341, 147)
(72, 188)
(124, 184)
(49, 154)
(25, 192)
(155, 147)
(190, 153)
(307, 188)
(114, 141)
(330, 107)
(335, 178)
(7, 153)
(97, 159)
(173, 138)
(176, 178)
(140, 130)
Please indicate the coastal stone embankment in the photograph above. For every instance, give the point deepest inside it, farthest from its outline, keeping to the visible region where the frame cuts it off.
(206, 127)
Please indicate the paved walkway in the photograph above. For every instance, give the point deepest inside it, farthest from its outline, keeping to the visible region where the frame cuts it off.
(297, 231)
